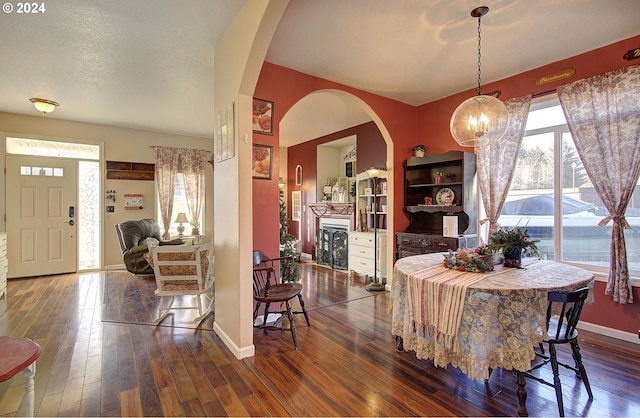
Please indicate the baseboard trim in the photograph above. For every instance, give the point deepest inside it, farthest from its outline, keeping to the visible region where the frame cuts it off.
(115, 267)
(239, 352)
(609, 332)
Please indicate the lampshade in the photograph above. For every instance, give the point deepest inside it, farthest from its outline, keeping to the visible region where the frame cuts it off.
(182, 218)
(281, 182)
(44, 105)
(373, 172)
(481, 118)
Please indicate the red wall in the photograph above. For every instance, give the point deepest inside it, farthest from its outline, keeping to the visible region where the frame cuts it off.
(372, 151)
(434, 117)
(428, 124)
(266, 208)
(285, 87)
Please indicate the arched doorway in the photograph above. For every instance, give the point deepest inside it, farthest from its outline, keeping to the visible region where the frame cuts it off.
(321, 117)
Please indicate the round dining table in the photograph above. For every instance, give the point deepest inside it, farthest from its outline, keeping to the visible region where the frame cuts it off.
(477, 321)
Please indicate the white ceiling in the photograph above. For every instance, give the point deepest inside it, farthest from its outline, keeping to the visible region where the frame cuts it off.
(149, 63)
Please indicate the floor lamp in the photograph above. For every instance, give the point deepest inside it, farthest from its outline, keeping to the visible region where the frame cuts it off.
(375, 285)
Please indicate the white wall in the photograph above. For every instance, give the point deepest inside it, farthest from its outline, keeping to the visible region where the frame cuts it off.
(329, 163)
(119, 144)
(238, 61)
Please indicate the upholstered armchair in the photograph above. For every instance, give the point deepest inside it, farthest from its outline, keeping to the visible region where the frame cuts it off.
(132, 236)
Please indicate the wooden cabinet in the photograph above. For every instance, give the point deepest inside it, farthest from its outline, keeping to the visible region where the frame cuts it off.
(362, 251)
(371, 201)
(3, 264)
(409, 244)
(435, 186)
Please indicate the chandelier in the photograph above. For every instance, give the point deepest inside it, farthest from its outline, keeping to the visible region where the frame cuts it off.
(481, 118)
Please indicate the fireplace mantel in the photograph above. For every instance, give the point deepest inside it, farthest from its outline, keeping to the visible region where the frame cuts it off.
(332, 210)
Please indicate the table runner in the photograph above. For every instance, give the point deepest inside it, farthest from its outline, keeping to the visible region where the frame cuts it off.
(436, 296)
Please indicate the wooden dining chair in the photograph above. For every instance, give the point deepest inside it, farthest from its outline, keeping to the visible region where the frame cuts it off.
(563, 314)
(279, 264)
(267, 291)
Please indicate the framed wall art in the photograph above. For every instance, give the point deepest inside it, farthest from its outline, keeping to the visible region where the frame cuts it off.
(262, 116)
(261, 161)
(224, 136)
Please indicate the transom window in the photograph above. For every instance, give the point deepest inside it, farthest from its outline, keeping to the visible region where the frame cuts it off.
(41, 171)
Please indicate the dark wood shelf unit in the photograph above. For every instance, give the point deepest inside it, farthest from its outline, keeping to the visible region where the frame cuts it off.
(425, 221)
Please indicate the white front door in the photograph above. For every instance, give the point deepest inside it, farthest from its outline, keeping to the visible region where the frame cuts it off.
(41, 215)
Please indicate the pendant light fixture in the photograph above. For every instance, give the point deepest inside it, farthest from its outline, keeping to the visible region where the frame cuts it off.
(43, 105)
(480, 118)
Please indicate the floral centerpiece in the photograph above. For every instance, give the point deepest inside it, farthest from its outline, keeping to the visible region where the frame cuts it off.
(466, 259)
(512, 242)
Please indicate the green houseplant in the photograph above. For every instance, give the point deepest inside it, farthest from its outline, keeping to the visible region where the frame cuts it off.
(512, 242)
(289, 270)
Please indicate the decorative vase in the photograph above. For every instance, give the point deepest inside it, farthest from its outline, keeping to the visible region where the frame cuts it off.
(513, 254)
(418, 153)
(195, 231)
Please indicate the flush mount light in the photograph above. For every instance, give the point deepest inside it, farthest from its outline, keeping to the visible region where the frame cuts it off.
(43, 105)
(481, 118)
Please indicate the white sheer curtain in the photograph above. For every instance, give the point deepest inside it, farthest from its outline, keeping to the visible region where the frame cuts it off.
(496, 161)
(166, 168)
(194, 163)
(603, 114)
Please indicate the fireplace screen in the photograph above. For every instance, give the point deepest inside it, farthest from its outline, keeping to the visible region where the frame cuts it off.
(332, 247)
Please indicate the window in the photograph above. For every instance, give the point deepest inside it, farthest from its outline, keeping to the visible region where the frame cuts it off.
(552, 196)
(41, 171)
(296, 205)
(179, 205)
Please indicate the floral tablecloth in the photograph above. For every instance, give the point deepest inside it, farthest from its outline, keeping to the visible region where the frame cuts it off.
(503, 316)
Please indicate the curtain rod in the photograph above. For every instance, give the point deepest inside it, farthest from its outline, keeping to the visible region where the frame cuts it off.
(544, 93)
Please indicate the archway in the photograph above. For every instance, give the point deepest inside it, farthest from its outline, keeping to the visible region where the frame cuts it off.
(328, 111)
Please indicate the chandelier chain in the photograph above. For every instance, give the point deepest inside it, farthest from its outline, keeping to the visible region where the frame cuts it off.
(479, 89)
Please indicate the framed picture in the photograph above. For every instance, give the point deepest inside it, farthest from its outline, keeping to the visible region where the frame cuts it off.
(261, 161)
(262, 116)
(224, 137)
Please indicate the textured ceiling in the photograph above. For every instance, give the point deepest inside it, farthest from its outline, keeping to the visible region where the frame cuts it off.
(144, 63)
(149, 63)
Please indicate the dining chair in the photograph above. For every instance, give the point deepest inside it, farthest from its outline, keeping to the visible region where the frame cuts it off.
(267, 291)
(563, 314)
(183, 270)
(260, 259)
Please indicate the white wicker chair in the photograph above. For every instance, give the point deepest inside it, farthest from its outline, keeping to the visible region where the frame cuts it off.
(183, 270)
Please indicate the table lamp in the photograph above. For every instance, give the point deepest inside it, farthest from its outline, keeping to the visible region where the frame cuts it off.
(182, 218)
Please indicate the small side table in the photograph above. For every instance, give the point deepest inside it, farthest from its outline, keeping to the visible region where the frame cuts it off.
(18, 354)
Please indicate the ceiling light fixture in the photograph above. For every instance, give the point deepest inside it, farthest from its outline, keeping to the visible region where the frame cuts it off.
(480, 118)
(43, 105)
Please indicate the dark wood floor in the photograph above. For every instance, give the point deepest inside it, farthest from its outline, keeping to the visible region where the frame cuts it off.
(347, 364)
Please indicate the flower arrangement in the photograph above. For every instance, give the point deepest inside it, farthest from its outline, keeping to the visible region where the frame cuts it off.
(516, 238)
(466, 259)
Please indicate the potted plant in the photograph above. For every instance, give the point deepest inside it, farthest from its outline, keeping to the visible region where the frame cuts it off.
(418, 150)
(195, 228)
(512, 242)
(289, 270)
